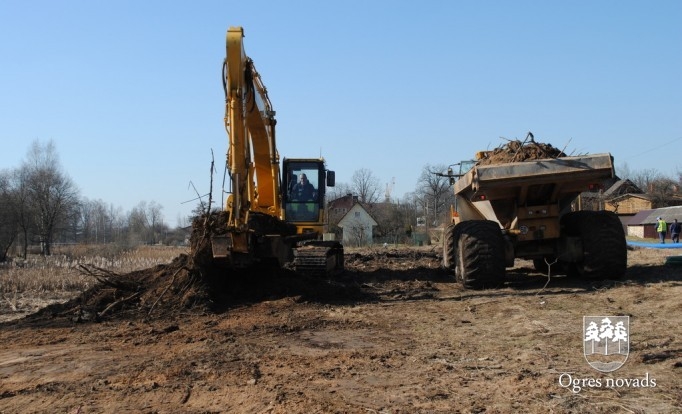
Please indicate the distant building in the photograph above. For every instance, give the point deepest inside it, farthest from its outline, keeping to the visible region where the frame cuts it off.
(629, 204)
(357, 226)
(338, 208)
(643, 224)
(352, 219)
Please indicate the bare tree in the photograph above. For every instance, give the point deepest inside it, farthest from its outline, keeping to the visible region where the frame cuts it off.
(645, 179)
(657, 185)
(116, 224)
(145, 222)
(392, 223)
(25, 216)
(94, 221)
(623, 171)
(411, 210)
(366, 186)
(9, 227)
(338, 191)
(51, 194)
(434, 194)
(137, 223)
(155, 220)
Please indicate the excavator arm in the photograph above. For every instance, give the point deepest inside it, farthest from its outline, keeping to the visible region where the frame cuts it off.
(252, 158)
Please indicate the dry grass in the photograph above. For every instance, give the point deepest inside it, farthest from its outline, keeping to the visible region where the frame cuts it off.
(59, 272)
(29, 285)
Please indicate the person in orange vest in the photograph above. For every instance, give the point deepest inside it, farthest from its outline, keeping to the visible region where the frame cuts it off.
(662, 228)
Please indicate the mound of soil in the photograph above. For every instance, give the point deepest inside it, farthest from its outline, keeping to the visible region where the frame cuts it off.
(518, 151)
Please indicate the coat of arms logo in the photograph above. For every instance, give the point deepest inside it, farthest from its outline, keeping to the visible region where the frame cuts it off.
(606, 341)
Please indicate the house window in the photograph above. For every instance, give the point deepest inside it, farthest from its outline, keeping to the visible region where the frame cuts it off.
(357, 214)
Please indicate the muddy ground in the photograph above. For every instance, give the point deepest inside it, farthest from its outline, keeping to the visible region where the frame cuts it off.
(393, 334)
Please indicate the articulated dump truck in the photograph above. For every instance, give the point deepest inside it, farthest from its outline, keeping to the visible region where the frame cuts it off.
(529, 210)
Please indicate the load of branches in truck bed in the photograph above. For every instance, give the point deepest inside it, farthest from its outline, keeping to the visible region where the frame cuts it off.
(518, 151)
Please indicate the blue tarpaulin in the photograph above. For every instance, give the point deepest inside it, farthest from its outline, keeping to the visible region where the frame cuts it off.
(656, 245)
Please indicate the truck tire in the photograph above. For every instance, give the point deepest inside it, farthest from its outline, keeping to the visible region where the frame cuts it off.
(604, 245)
(449, 248)
(480, 255)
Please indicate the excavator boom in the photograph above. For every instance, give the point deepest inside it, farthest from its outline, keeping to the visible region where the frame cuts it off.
(250, 124)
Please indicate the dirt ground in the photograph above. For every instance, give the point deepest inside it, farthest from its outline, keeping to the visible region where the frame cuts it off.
(393, 334)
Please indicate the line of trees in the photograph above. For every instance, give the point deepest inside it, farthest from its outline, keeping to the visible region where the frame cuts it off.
(40, 206)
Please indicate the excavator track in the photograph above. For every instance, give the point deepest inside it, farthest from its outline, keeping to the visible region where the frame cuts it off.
(318, 258)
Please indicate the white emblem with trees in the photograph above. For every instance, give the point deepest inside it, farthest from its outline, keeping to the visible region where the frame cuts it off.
(606, 341)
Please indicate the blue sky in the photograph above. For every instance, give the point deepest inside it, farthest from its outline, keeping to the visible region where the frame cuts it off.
(130, 91)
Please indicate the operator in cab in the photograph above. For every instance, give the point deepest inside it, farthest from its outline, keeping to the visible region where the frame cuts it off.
(303, 190)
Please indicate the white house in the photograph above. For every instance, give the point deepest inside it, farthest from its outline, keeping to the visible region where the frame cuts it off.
(357, 225)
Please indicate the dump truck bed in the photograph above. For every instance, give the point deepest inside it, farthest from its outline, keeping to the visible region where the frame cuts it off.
(566, 175)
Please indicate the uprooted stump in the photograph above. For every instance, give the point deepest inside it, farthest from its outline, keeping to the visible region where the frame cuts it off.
(191, 282)
(187, 283)
(140, 294)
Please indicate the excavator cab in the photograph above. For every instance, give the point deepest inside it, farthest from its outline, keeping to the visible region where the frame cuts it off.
(305, 181)
(303, 190)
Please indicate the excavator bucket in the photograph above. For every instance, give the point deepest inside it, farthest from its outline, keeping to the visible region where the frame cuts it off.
(221, 246)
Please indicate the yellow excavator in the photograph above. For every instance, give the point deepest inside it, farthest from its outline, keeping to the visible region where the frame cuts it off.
(272, 218)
